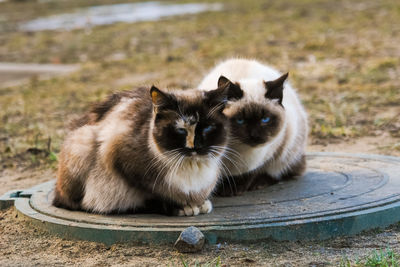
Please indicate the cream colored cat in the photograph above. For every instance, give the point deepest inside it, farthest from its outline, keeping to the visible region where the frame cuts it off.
(268, 124)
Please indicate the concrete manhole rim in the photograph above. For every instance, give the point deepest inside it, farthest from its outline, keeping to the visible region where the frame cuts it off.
(380, 214)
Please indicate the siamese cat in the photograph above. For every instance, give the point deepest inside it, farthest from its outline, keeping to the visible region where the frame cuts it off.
(268, 125)
(145, 150)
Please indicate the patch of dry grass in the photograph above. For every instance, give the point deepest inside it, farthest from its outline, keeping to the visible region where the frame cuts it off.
(343, 56)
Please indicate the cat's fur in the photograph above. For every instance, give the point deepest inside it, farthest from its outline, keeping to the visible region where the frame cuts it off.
(260, 151)
(144, 150)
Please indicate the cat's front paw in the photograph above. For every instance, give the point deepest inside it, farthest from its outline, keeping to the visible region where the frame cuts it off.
(189, 211)
(206, 207)
(193, 210)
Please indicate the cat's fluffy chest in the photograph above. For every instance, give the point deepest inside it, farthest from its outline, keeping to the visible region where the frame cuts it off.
(193, 176)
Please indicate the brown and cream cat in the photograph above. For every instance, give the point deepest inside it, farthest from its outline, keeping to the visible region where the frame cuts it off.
(268, 125)
(145, 150)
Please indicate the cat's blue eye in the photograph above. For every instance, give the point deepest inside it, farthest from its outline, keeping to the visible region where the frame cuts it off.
(239, 121)
(265, 119)
(181, 131)
(208, 129)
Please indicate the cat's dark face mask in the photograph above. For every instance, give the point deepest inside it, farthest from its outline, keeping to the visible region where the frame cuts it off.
(255, 125)
(189, 126)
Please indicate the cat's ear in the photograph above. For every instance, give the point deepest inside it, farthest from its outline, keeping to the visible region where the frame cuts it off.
(233, 90)
(275, 88)
(216, 99)
(223, 81)
(159, 98)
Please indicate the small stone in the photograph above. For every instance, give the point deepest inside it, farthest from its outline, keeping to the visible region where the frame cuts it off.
(190, 240)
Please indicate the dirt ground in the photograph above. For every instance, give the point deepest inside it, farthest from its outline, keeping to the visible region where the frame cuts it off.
(23, 245)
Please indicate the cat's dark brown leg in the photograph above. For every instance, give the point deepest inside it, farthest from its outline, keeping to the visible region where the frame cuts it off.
(236, 185)
(261, 181)
(159, 205)
(245, 182)
(296, 170)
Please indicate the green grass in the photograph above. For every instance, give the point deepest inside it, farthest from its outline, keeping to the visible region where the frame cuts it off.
(376, 258)
(382, 258)
(340, 56)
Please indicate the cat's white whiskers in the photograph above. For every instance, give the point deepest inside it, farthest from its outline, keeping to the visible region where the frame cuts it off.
(180, 113)
(166, 164)
(219, 158)
(214, 109)
(232, 162)
(177, 166)
(231, 152)
(158, 160)
(225, 171)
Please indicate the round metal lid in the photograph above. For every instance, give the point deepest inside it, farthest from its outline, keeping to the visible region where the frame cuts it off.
(341, 194)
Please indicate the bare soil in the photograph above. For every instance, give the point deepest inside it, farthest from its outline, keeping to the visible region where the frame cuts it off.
(13, 74)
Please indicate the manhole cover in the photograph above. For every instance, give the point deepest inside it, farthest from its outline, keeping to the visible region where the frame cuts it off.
(341, 194)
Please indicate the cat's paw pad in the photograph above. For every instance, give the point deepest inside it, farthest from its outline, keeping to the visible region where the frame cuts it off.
(189, 211)
(206, 207)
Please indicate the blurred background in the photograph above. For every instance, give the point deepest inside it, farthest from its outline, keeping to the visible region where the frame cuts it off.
(57, 56)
